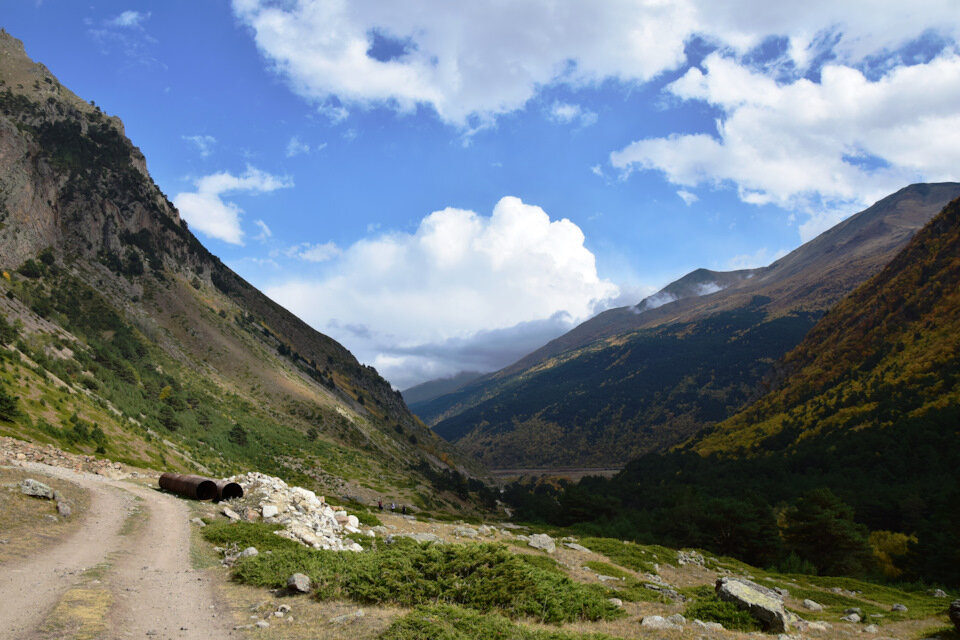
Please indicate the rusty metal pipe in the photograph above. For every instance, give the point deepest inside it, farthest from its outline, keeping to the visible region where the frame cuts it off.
(227, 490)
(196, 487)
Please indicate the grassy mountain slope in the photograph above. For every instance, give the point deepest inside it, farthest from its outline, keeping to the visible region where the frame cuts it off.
(868, 407)
(645, 378)
(888, 352)
(117, 316)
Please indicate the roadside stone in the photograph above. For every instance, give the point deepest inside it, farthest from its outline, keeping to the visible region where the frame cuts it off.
(955, 614)
(762, 603)
(230, 513)
(199, 522)
(299, 583)
(64, 508)
(658, 622)
(898, 607)
(36, 489)
(810, 605)
(543, 542)
(576, 547)
(617, 602)
(348, 617)
(465, 532)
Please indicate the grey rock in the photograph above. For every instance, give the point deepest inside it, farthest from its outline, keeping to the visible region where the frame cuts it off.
(543, 542)
(783, 592)
(658, 622)
(422, 537)
(299, 583)
(64, 508)
(230, 513)
(35, 488)
(762, 603)
(603, 578)
(576, 547)
(348, 617)
(263, 624)
(709, 626)
(898, 607)
(955, 613)
(269, 511)
(854, 610)
(871, 628)
(617, 602)
(938, 593)
(465, 532)
(199, 522)
(851, 617)
(677, 619)
(249, 552)
(810, 605)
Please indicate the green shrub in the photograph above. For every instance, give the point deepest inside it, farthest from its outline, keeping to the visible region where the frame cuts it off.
(631, 556)
(447, 622)
(485, 577)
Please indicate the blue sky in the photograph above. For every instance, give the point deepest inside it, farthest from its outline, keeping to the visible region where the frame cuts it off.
(446, 186)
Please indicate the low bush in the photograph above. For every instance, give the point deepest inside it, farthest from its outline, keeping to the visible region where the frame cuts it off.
(447, 622)
(713, 609)
(485, 577)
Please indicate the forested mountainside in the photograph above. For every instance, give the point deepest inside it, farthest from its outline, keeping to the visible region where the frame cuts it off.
(645, 378)
(864, 424)
(124, 335)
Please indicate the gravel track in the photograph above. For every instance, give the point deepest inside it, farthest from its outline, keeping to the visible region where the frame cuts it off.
(156, 594)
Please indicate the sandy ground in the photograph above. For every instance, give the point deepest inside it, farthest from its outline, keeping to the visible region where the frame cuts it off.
(138, 565)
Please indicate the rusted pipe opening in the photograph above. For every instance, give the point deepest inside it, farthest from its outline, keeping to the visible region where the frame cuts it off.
(227, 490)
(191, 486)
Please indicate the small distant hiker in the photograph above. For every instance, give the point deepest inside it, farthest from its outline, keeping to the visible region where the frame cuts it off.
(403, 509)
(380, 505)
(393, 506)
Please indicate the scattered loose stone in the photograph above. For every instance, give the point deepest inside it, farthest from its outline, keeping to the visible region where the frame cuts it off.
(818, 626)
(871, 628)
(263, 624)
(938, 593)
(854, 611)
(810, 605)
(199, 522)
(576, 547)
(658, 622)
(465, 532)
(249, 552)
(543, 542)
(299, 583)
(64, 508)
(677, 619)
(710, 626)
(348, 617)
(35, 488)
(269, 511)
(898, 607)
(230, 513)
(851, 617)
(617, 602)
(690, 557)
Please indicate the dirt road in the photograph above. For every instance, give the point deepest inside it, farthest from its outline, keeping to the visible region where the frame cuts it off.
(124, 578)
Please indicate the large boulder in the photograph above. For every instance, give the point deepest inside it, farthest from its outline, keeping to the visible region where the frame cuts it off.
(955, 613)
(764, 604)
(543, 542)
(35, 488)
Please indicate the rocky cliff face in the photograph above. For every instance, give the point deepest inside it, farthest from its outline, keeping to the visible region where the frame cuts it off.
(84, 230)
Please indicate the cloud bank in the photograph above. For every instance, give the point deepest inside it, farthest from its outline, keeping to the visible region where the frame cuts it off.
(420, 303)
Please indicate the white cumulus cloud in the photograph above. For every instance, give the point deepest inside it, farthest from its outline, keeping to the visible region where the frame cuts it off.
(203, 143)
(458, 274)
(839, 143)
(207, 211)
(566, 113)
(320, 252)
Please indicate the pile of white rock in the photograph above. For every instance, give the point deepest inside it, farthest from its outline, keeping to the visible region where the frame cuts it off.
(305, 517)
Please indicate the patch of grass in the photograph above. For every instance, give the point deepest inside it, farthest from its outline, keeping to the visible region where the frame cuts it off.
(713, 609)
(636, 592)
(546, 563)
(872, 598)
(447, 622)
(632, 556)
(607, 569)
(943, 632)
(486, 577)
(80, 614)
